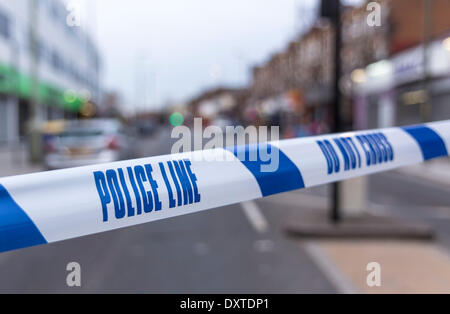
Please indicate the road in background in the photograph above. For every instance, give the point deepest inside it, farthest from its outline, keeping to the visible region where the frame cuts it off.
(233, 249)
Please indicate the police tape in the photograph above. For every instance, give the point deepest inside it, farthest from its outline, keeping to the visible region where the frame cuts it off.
(58, 205)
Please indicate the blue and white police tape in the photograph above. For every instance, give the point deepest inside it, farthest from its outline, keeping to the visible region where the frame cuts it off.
(53, 206)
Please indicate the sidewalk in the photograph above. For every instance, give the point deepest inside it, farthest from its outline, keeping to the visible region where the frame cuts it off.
(13, 161)
(406, 266)
(435, 171)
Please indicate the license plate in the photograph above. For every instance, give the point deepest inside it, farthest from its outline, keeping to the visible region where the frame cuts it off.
(81, 151)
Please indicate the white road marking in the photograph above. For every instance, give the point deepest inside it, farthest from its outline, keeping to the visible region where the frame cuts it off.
(255, 216)
(329, 269)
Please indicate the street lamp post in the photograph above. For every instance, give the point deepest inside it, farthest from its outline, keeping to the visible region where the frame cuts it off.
(331, 9)
(336, 212)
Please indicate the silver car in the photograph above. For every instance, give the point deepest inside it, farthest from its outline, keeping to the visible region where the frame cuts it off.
(85, 143)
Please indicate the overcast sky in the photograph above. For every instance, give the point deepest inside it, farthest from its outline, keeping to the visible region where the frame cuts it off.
(158, 51)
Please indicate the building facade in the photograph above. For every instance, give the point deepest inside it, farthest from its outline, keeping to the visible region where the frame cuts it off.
(412, 84)
(37, 42)
(383, 67)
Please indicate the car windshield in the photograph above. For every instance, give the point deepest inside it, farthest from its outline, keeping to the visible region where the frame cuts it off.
(80, 133)
(78, 136)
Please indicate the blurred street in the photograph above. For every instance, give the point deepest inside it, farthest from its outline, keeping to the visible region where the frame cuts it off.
(231, 250)
(90, 82)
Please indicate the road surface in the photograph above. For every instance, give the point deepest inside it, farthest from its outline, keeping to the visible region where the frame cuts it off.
(235, 249)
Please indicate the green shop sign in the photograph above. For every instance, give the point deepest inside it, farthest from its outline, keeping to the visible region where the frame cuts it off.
(14, 83)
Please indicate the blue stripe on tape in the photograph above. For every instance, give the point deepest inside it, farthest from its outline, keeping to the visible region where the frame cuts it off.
(430, 142)
(16, 228)
(273, 170)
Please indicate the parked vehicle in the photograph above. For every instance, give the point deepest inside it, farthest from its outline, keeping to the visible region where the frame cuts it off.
(86, 142)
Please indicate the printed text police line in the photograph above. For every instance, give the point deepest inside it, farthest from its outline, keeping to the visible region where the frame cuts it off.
(136, 185)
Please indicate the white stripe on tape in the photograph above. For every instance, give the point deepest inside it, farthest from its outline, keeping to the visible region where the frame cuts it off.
(63, 204)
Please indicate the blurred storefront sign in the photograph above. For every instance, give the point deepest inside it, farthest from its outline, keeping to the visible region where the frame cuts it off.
(14, 83)
(398, 81)
(404, 68)
(409, 65)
